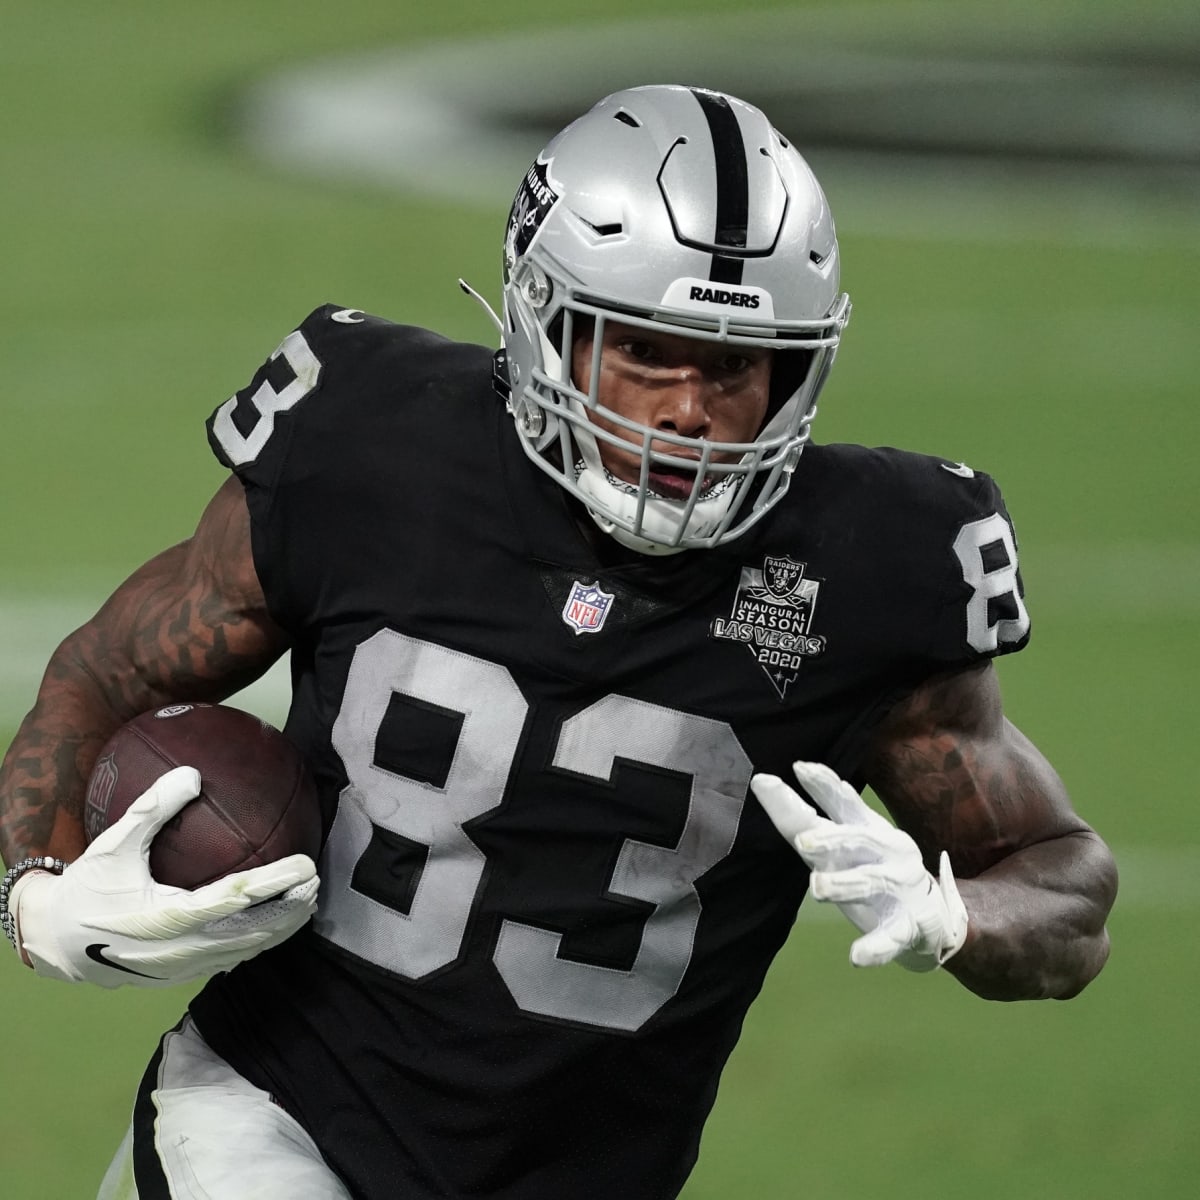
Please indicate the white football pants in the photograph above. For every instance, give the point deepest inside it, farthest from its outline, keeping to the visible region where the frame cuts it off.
(202, 1132)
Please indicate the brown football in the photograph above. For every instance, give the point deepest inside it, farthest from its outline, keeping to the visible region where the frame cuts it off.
(257, 802)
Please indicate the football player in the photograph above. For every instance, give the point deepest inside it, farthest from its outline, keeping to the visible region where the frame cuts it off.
(577, 631)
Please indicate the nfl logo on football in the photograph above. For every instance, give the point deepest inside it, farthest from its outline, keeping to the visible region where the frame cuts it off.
(100, 790)
(586, 607)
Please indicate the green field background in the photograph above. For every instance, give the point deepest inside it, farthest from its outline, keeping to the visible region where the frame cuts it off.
(149, 264)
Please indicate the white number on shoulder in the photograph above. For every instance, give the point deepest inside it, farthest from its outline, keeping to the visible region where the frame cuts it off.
(429, 935)
(241, 448)
(987, 553)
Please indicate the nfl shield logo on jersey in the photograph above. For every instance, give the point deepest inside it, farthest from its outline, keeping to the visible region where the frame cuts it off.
(586, 607)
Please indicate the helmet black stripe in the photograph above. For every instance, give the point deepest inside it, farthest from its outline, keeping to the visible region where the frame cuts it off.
(733, 185)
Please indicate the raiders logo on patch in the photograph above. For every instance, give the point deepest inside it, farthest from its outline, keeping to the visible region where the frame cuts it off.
(772, 617)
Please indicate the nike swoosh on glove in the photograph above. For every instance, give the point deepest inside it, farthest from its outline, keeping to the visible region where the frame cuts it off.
(870, 869)
(107, 921)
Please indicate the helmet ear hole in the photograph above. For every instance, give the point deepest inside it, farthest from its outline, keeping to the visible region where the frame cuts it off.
(789, 370)
(554, 332)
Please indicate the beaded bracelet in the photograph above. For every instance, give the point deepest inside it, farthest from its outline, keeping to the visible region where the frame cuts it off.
(46, 863)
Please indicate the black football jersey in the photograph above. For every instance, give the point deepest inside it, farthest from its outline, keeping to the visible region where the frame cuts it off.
(548, 896)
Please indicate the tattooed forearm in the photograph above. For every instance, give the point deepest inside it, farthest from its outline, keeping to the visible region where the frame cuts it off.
(977, 805)
(961, 778)
(1037, 881)
(189, 625)
(39, 766)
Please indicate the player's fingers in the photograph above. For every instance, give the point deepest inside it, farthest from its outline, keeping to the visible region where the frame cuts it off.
(884, 942)
(303, 894)
(234, 893)
(143, 819)
(174, 913)
(163, 799)
(791, 813)
(276, 878)
(830, 847)
(836, 798)
(851, 884)
(289, 911)
(275, 919)
(182, 964)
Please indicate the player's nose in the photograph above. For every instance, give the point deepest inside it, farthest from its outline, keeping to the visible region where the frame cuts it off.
(684, 405)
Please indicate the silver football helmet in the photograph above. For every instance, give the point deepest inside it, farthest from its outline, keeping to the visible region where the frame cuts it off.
(684, 211)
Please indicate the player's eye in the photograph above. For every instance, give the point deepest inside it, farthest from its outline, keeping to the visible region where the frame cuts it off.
(639, 350)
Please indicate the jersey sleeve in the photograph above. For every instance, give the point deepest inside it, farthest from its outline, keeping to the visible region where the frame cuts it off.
(924, 555)
(310, 423)
(981, 610)
(927, 579)
(253, 433)
(350, 415)
(250, 432)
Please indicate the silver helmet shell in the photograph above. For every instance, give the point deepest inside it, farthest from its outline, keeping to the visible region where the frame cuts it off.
(684, 211)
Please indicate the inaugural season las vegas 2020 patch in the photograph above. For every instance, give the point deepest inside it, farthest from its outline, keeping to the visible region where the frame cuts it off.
(772, 616)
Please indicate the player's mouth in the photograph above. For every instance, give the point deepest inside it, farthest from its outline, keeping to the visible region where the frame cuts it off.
(676, 483)
(671, 475)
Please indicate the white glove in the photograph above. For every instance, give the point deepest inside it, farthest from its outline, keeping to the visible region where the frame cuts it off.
(870, 869)
(106, 920)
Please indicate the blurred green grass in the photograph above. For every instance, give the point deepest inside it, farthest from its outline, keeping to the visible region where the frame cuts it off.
(149, 265)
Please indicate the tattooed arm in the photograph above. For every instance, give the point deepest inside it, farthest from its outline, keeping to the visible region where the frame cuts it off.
(1037, 881)
(189, 625)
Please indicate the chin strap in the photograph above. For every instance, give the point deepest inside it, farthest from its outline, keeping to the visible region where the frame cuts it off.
(487, 308)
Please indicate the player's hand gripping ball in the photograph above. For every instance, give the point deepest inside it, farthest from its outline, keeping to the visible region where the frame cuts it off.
(257, 802)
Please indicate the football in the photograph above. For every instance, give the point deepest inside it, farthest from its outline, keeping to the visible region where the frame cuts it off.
(257, 803)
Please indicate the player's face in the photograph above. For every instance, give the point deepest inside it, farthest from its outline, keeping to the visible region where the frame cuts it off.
(678, 385)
